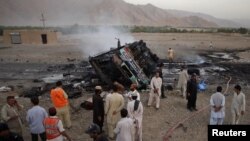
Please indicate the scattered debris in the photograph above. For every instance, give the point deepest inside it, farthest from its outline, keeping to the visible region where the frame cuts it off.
(34, 91)
(130, 63)
(71, 60)
(6, 89)
(222, 55)
(53, 78)
(87, 104)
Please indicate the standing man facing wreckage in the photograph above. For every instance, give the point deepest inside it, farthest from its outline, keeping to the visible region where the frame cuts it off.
(155, 91)
(238, 106)
(124, 128)
(135, 111)
(98, 107)
(35, 117)
(170, 55)
(161, 75)
(217, 102)
(182, 82)
(54, 128)
(192, 93)
(113, 104)
(60, 101)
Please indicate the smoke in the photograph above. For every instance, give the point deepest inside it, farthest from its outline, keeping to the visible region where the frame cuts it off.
(190, 56)
(102, 40)
(194, 58)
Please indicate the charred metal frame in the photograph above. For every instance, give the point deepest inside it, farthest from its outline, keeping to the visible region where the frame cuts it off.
(131, 63)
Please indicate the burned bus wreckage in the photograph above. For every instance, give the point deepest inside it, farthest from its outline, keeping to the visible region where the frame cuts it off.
(131, 63)
(127, 64)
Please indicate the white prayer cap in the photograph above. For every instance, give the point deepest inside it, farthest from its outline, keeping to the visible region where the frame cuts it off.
(98, 87)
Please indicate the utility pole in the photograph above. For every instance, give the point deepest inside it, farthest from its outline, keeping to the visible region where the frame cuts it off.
(43, 20)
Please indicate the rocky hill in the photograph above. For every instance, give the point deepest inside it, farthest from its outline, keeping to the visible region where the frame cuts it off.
(99, 12)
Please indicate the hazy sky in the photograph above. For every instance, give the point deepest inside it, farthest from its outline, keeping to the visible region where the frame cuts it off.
(227, 9)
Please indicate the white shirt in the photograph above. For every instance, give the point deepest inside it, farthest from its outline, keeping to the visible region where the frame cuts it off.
(156, 83)
(238, 102)
(124, 129)
(35, 117)
(138, 114)
(217, 99)
(129, 95)
(183, 78)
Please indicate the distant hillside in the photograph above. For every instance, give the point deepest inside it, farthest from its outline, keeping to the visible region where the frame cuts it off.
(99, 12)
(219, 22)
(243, 22)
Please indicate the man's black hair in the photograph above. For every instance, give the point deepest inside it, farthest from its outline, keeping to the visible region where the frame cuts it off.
(115, 88)
(237, 87)
(34, 100)
(59, 83)
(124, 113)
(52, 111)
(219, 89)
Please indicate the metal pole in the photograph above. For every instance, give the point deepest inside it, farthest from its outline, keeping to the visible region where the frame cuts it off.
(43, 20)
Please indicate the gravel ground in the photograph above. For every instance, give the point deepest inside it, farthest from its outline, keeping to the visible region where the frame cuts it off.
(155, 123)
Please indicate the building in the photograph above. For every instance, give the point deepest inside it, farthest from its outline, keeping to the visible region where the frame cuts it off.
(36, 36)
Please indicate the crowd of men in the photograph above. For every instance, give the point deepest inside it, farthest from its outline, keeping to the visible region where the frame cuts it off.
(49, 127)
(122, 112)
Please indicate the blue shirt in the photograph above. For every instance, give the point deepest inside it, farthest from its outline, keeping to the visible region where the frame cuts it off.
(35, 117)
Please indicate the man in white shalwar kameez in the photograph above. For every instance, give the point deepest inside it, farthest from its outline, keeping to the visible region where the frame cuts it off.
(217, 103)
(170, 55)
(113, 104)
(124, 128)
(135, 111)
(155, 91)
(238, 105)
(182, 82)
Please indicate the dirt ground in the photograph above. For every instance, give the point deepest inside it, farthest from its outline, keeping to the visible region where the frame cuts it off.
(16, 58)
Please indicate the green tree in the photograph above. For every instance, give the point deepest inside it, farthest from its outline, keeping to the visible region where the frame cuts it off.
(242, 30)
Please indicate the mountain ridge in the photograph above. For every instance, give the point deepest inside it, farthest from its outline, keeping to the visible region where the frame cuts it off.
(100, 12)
